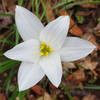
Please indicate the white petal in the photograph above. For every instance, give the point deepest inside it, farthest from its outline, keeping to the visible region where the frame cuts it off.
(52, 67)
(27, 23)
(26, 51)
(75, 48)
(55, 32)
(29, 74)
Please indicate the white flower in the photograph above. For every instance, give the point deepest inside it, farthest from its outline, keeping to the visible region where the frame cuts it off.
(44, 48)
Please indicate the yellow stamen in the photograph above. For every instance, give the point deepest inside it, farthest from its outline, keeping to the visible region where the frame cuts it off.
(45, 50)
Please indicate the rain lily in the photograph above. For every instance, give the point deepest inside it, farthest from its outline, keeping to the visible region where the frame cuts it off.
(44, 48)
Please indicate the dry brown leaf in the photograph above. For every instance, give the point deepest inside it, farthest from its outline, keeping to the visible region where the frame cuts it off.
(49, 11)
(31, 97)
(17, 98)
(75, 97)
(97, 30)
(2, 96)
(79, 75)
(89, 97)
(9, 7)
(40, 98)
(75, 30)
(91, 38)
(88, 64)
(68, 65)
(84, 13)
(88, 6)
(4, 20)
(45, 97)
(38, 90)
(9, 3)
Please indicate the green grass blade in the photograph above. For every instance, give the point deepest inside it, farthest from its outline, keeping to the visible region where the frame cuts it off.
(17, 37)
(37, 7)
(11, 15)
(66, 91)
(7, 82)
(20, 2)
(81, 3)
(32, 2)
(7, 42)
(22, 94)
(5, 62)
(14, 95)
(59, 5)
(75, 4)
(68, 94)
(8, 65)
(85, 87)
(18, 94)
(44, 12)
(1, 53)
(80, 87)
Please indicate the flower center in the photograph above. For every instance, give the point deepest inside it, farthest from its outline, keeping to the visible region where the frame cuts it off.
(45, 50)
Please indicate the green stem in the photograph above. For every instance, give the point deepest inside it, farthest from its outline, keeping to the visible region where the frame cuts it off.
(37, 7)
(76, 4)
(9, 78)
(17, 37)
(44, 11)
(20, 2)
(11, 15)
(32, 2)
(80, 3)
(59, 5)
(68, 94)
(85, 87)
(7, 42)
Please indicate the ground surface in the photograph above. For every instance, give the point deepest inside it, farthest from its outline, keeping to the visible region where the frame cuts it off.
(81, 79)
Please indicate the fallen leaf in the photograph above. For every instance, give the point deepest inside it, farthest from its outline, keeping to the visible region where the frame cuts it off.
(88, 6)
(38, 90)
(89, 97)
(75, 98)
(97, 30)
(90, 37)
(84, 13)
(74, 28)
(68, 65)
(70, 77)
(88, 64)
(49, 11)
(2, 96)
(31, 97)
(45, 97)
(4, 21)
(78, 75)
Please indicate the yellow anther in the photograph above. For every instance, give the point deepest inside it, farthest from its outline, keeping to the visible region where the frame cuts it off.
(46, 53)
(45, 49)
(41, 53)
